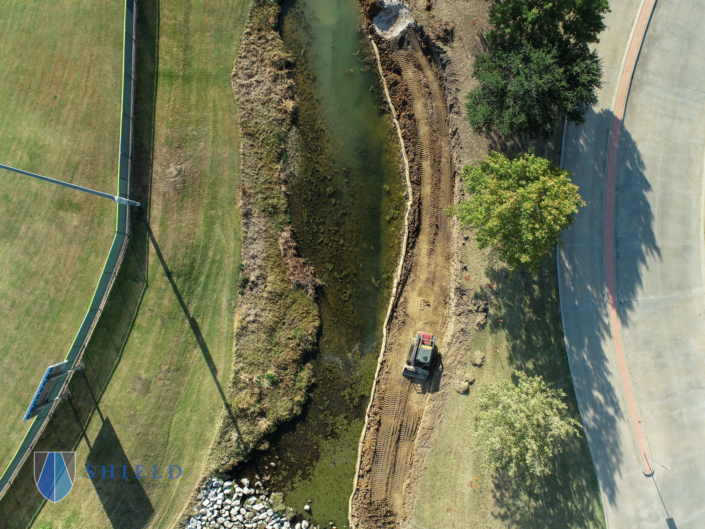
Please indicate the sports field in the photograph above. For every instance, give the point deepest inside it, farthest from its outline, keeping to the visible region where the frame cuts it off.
(158, 366)
(59, 116)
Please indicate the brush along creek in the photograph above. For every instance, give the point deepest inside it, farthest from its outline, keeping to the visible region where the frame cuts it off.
(347, 206)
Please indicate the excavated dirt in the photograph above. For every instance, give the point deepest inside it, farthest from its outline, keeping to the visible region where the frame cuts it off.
(403, 415)
(398, 403)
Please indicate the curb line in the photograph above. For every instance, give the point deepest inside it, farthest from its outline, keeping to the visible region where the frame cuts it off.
(620, 107)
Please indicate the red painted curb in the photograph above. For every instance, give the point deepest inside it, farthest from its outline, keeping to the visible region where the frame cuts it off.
(620, 107)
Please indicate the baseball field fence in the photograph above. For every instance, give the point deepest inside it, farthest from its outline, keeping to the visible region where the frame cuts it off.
(112, 263)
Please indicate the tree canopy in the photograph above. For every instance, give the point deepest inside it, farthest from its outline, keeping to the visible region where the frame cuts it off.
(519, 207)
(540, 66)
(538, 21)
(525, 90)
(520, 427)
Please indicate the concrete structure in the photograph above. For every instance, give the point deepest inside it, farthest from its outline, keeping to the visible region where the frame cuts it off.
(658, 271)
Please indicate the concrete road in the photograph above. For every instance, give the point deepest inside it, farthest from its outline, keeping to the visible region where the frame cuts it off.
(658, 269)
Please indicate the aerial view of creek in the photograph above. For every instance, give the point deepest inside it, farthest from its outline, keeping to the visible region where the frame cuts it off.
(347, 208)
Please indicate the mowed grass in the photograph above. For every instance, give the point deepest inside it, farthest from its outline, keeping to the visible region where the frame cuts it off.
(158, 367)
(523, 333)
(59, 116)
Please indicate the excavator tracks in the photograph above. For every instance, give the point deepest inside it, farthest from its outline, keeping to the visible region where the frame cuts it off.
(398, 402)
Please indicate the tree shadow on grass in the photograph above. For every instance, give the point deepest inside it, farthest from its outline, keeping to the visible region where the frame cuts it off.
(23, 504)
(525, 309)
(539, 347)
(511, 147)
(566, 498)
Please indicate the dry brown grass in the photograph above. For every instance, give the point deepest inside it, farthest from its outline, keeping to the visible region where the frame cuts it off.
(300, 273)
(277, 321)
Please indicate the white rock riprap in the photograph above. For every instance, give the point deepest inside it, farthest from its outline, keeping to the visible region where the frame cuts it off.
(393, 19)
(225, 505)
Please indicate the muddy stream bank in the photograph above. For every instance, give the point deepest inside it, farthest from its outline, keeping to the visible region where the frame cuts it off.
(347, 206)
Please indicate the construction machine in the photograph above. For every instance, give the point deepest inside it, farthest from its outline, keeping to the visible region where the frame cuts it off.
(420, 355)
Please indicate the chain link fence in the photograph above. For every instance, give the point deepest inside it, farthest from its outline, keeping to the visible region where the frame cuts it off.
(112, 263)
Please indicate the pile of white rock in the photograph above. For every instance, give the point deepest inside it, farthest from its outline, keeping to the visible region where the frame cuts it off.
(223, 504)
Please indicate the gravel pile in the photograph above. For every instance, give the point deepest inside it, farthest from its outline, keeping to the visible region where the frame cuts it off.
(224, 504)
(393, 19)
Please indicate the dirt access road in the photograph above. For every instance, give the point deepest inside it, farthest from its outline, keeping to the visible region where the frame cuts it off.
(421, 299)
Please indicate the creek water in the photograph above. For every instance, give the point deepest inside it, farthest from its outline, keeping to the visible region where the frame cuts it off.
(347, 207)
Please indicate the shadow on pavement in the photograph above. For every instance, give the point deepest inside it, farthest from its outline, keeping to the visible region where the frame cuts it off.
(537, 346)
(584, 289)
(631, 185)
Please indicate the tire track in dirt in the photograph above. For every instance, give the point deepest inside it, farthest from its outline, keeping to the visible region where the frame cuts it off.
(398, 404)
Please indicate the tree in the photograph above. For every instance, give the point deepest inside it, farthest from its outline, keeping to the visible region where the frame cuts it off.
(540, 66)
(519, 428)
(523, 91)
(518, 207)
(579, 21)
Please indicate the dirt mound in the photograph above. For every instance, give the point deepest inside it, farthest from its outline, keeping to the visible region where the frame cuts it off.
(478, 358)
(462, 385)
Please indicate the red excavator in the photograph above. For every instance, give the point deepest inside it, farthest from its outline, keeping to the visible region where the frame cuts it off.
(420, 355)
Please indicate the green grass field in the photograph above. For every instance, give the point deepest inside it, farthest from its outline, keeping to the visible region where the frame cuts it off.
(456, 491)
(525, 328)
(159, 361)
(524, 333)
(59, 116)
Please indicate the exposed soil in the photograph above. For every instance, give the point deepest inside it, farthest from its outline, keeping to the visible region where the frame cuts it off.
(392, 466)
(431, 296)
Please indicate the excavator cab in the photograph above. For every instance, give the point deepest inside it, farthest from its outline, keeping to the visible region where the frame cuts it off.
(420, 355)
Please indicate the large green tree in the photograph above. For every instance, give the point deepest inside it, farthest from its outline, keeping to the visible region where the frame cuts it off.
(524, 90)
(519, 428)
(540, 66)
(519, 207)
(537, 21)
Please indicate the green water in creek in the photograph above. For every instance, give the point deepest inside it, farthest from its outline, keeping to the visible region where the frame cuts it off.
(347, 207)
(347, 198)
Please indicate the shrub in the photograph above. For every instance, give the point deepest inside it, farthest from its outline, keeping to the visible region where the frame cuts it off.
(540, 66)
(520, 427)
(519, 207)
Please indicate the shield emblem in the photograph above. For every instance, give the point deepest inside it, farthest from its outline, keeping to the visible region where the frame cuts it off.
(54, 474)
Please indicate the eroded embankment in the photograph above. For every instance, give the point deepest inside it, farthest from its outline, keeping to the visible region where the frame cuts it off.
(276, 320)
